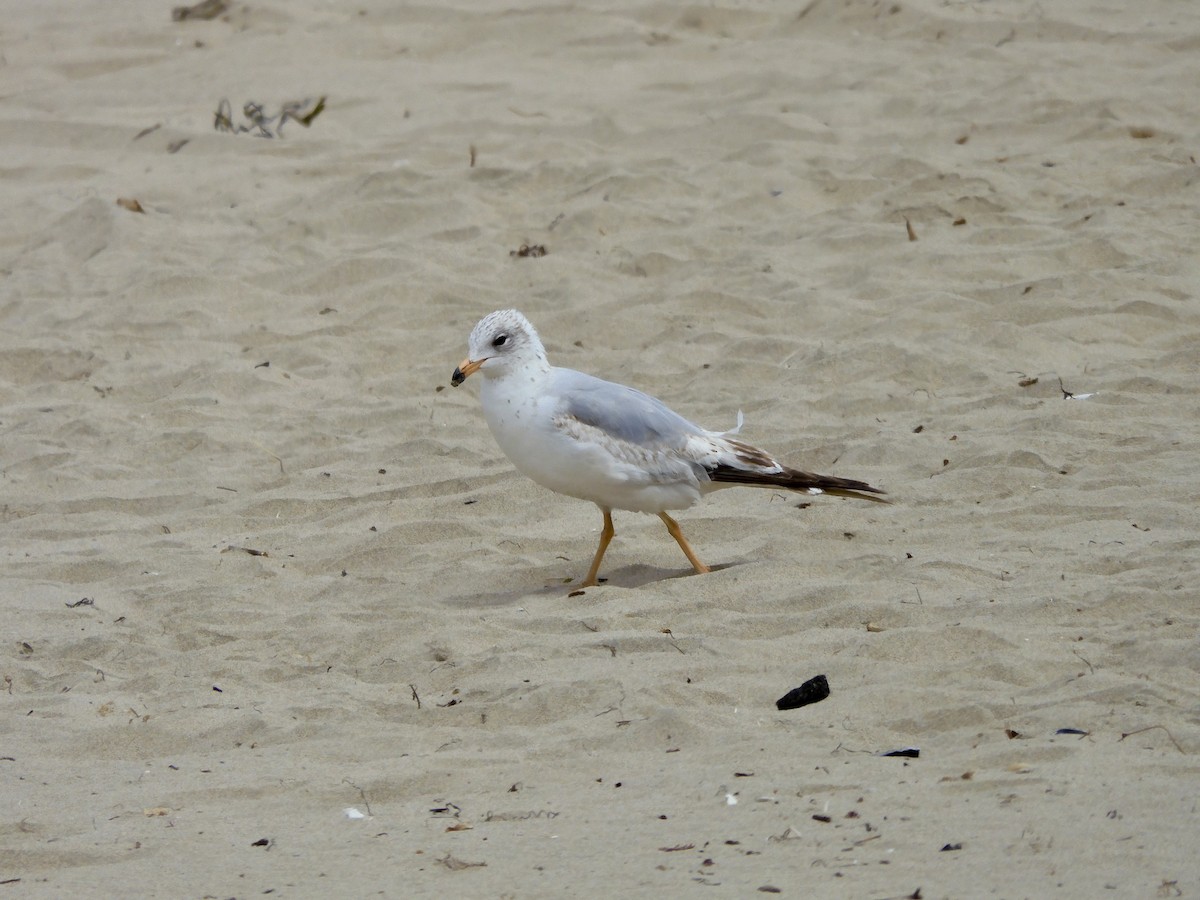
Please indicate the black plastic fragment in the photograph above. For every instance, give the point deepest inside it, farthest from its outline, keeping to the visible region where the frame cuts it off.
(910, 752)
(1071, 731)
(812, 691)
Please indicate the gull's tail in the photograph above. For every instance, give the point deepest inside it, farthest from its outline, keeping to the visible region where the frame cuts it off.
(744, 464)
(795, 480)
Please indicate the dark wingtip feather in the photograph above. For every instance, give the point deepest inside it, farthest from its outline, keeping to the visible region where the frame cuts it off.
(795, 480)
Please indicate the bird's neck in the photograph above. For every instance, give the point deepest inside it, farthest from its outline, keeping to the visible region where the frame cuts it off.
(527, 379)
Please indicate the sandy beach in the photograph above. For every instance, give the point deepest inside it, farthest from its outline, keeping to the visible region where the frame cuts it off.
(281, 619)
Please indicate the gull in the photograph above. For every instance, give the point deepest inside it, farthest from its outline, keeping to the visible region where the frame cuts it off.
(613, 445)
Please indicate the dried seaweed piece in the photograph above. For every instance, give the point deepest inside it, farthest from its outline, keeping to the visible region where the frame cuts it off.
(260, 123)
(453, 863)
(223, 117)
(257, 115)
(529, 250)
(204, 10)
(249, 550)
(302, 111)
(812, 691)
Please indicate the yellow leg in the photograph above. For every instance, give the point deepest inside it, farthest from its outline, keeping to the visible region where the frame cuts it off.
(606, 535)
(677, 533)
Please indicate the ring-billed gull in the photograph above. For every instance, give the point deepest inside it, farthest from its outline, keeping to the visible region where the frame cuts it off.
(608, 443)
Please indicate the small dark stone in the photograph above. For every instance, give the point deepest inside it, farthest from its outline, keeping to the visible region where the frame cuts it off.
(812, 691)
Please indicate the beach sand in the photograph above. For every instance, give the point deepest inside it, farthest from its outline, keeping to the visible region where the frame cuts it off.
(728, 195)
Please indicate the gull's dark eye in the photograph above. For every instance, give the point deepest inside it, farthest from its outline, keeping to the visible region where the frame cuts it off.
(500, 340)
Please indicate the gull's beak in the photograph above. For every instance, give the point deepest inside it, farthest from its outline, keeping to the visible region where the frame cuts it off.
(466, 367)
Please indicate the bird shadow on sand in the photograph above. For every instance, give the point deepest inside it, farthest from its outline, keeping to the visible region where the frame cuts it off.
(635, 576)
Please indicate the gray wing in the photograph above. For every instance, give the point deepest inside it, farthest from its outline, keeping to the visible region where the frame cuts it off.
(622, 412)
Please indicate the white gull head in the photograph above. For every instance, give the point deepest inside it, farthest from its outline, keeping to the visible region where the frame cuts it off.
(501, 343)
